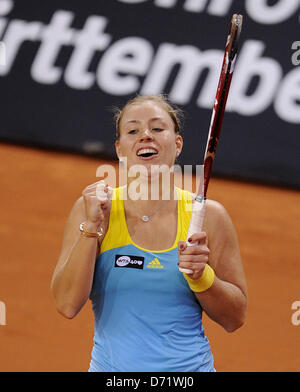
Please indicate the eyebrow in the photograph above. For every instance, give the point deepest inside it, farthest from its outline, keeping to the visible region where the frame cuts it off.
(151, 119)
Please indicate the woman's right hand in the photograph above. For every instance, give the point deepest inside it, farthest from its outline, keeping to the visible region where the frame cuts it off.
(72, 279)
(97, 202)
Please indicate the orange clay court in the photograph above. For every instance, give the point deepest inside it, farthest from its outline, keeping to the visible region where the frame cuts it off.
(38, 189)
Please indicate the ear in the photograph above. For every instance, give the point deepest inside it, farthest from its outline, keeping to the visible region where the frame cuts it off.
(179, 144)
(117, 147)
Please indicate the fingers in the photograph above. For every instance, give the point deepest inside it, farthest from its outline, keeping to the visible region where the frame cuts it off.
(102, 191)
(197, 237)
(104, 194)
(99, 185)
(182, 245)
(194, 250)
(194, 257)
(195, 270)
(199, 258)
(97, 199)
(199, 248)
(194, 262)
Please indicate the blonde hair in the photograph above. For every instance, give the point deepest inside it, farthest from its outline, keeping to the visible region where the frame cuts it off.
(175, 113)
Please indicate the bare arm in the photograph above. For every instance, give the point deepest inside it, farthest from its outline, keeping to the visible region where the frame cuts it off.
(73, 276)
(226, 300)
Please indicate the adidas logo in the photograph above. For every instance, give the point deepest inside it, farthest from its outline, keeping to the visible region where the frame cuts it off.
(155, 264)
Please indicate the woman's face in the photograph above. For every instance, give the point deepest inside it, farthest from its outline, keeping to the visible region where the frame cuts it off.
(147, 136)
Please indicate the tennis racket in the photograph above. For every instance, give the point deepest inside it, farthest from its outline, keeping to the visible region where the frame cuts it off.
(198, 210)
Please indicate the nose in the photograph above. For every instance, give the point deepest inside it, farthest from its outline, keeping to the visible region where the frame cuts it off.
(146, 135)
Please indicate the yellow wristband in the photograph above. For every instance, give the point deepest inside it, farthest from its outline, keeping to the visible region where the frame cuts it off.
(204, 282)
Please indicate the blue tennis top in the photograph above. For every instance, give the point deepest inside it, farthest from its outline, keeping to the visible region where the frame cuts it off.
(146, 317)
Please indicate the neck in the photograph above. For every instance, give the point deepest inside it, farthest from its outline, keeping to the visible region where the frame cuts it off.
(145, 198)
(160, 186)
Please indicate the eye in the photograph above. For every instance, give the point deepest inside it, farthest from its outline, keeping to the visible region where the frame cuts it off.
(132, 132)
(157, 129)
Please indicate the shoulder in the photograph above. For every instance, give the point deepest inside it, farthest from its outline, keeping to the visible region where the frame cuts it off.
(214, 209)
(215, 212)
(217, 218)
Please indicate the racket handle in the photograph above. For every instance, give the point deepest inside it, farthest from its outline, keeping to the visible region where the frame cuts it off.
(196, 223)
(197, 217)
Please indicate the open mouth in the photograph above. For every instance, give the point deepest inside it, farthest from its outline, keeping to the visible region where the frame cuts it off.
(147, 152)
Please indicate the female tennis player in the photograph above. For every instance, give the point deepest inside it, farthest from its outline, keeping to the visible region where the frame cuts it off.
(124, 254)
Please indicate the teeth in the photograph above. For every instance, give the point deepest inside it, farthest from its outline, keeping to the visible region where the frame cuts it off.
(147, 151)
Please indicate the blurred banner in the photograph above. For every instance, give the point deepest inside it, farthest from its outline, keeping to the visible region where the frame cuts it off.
(68, 63)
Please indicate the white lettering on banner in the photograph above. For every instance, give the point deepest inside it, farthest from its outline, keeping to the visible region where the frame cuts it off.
(296, 56)
(259, 10)
(215, 7)
(130, 56)
(86, 42)
(6, 6)
(18, 32)
(53, 36)
(2, 54)
(288, 97)
(251, 64)
(131, 65)
(192, 62)
(133, 1)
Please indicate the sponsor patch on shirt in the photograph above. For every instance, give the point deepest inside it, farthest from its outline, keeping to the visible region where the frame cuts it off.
(127, 261)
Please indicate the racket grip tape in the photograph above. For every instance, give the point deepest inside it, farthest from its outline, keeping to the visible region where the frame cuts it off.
(196, 223)
(197, 217)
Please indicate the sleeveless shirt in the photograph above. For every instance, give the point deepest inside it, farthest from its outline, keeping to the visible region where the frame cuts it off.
(146, 317)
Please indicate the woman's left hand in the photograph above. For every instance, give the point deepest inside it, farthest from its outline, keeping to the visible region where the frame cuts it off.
(194, 257)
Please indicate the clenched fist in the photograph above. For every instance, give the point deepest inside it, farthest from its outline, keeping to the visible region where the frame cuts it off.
(97, 201)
